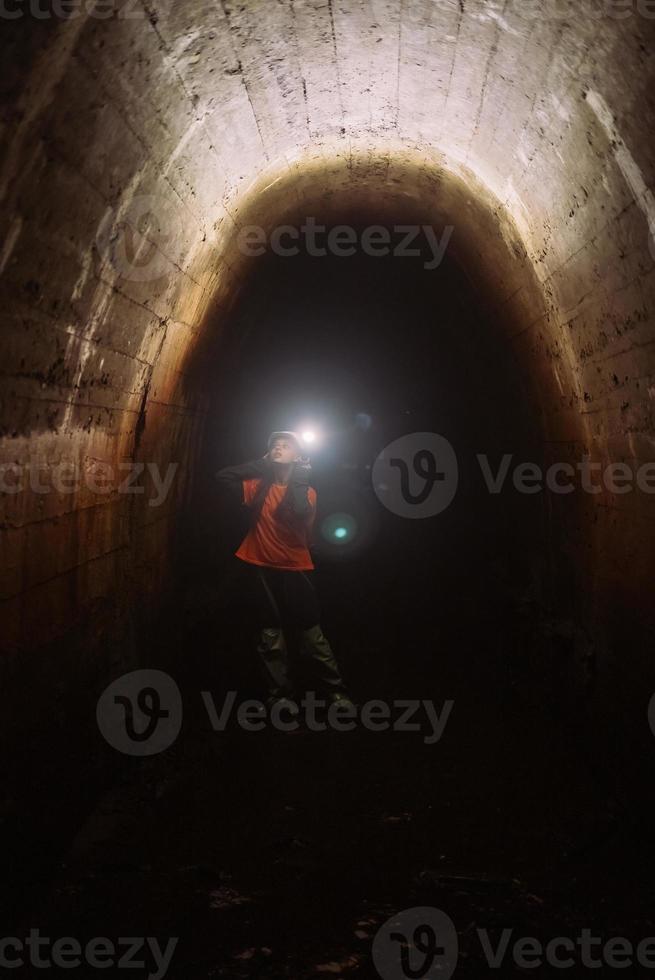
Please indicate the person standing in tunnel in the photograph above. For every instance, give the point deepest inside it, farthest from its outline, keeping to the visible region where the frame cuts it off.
(276, 492)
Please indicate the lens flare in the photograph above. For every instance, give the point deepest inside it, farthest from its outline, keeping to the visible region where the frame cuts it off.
(339, 528)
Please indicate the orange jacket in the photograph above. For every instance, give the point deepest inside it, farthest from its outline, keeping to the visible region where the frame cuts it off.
(272, 540)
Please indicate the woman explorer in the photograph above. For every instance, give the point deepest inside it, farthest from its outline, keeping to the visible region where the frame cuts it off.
(276, 492)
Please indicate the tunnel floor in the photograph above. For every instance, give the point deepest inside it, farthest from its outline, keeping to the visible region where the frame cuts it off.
(272, 854)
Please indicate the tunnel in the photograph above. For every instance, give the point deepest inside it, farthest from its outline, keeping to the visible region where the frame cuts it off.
(424, 229)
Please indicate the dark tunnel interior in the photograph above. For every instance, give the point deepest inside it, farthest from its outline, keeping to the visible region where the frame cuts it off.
(317, 338)
(420, 234)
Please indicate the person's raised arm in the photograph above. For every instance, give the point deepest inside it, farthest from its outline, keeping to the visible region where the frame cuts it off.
(231, 478)
(299, 490)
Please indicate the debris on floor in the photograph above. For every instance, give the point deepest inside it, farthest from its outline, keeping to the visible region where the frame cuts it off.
(225, 898)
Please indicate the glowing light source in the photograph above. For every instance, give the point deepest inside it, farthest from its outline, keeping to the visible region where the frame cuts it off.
(339, 528)
(308, 435)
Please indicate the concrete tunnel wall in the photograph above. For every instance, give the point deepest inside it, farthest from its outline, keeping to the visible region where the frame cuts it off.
(524, 125)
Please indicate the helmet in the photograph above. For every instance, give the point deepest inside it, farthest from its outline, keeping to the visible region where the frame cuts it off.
(287, 435)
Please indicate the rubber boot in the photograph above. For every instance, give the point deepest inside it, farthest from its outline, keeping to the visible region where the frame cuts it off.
(314, 644)
(274, 662)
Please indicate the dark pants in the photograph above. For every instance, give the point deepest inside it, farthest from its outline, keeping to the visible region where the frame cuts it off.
(285, 599)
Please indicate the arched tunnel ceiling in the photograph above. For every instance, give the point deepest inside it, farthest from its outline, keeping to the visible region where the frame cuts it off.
(192, 110)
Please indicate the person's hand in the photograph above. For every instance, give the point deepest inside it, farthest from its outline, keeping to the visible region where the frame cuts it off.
(301, 471)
